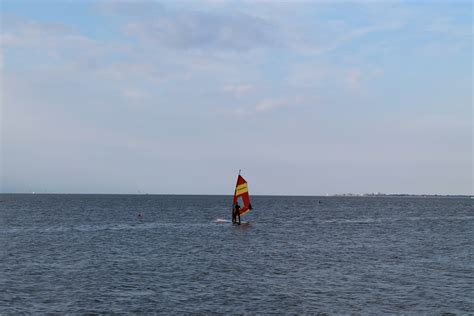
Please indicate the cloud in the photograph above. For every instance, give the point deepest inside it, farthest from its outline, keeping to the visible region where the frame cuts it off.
(194, 30)
(134, 94)
(55, 40)
(270, 104)
(330, 31)
(132, 8)
(262, 106)
(318, 77)
(354, 77)
(238, 89)
(19, 32)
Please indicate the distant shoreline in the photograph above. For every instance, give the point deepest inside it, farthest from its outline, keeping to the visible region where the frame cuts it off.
(405, 195)
(346, 195)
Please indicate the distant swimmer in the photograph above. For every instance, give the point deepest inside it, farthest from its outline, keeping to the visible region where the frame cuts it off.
(140, 215)
(236, 214)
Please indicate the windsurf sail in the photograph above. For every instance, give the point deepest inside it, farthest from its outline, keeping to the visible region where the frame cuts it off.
(241, 195)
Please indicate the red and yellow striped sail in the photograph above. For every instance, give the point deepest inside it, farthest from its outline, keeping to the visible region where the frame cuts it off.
(242, 196)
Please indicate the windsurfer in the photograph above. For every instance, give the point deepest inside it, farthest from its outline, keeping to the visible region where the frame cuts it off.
(236, 214)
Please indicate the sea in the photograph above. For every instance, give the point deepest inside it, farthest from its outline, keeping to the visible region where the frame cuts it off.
(169, 254)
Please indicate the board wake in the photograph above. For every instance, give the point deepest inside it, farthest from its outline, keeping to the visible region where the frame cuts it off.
(226, 221)
(222, 221)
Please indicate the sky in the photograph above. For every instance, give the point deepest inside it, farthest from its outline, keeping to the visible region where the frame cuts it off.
(174, 97)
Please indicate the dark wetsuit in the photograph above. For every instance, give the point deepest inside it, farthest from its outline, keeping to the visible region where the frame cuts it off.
(236, 214)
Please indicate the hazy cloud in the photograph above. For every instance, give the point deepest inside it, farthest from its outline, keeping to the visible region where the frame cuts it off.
(194, 30)
(134, 94)
(238, 89)
(130, 8)
(54, 39)
(270, 104)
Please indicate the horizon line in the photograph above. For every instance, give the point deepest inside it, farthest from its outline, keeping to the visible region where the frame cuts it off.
(276, 195)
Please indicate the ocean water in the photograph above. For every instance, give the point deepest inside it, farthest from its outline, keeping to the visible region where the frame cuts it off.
(92, 254)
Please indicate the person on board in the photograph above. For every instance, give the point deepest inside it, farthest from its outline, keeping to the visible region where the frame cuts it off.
(236, 213)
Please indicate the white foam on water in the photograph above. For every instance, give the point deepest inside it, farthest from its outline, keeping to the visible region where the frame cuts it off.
(221, 220)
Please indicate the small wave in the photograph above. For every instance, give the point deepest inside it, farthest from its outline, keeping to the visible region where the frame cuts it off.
(101, 227)
(391, 219)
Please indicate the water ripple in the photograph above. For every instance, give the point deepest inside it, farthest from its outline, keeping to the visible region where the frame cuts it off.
(84, 254)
